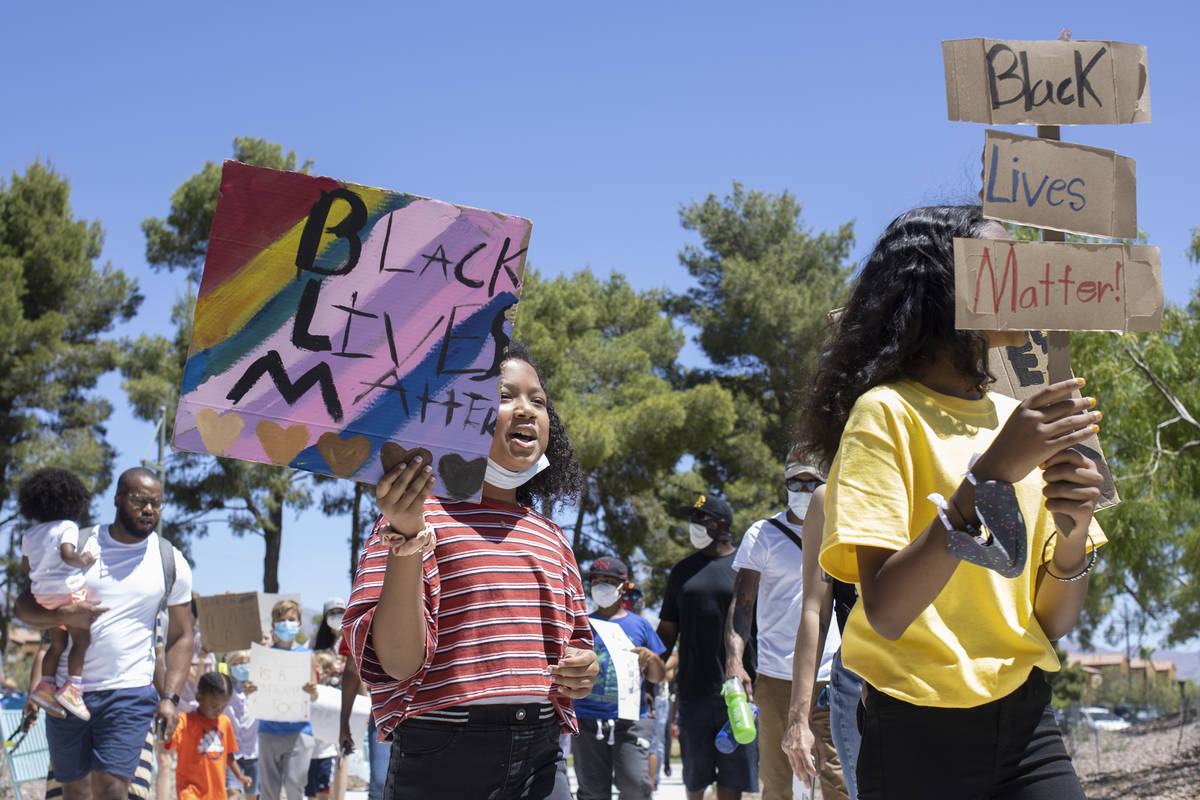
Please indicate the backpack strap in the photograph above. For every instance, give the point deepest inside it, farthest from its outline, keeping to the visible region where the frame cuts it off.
(166, 551)
(788, 532)
(92, 532)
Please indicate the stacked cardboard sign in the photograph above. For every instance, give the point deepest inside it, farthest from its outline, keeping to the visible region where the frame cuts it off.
(1053, 285)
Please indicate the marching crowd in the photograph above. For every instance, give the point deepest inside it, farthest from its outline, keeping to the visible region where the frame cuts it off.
(892, 625)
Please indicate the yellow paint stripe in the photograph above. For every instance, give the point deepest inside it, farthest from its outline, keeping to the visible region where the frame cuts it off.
(227, 308)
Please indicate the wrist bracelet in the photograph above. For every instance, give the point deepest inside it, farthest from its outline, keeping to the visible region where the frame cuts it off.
(1077, 576)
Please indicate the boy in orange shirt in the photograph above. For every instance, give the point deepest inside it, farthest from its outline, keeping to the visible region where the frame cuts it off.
(206, 744)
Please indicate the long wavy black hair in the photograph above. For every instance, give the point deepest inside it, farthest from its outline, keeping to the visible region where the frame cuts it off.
(900, 315)
(563, 479)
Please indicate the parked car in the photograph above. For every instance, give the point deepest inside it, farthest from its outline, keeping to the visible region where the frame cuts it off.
(1147, 714)
(1102, 719)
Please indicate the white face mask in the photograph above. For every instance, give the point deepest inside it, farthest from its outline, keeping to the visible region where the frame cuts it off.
(605, 594)
(699, 535)
(334, 620)
(798, 502)
(503, 478)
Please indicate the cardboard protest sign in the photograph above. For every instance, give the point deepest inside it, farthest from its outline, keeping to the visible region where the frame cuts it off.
(229, 621)
(1046, 83)
(1049, 184)
(336, 323)
(279, 676)
(1011, 285)
(1021, 371)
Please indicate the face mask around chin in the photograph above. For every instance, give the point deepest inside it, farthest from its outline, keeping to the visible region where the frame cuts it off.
(605, 594)
(503, 478)
(699, 535)
(798, 502)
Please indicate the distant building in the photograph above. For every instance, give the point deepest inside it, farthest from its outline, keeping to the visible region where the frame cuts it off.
(1104, 668)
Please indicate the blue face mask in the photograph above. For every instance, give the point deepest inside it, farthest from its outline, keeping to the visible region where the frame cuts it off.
(240, 672)
(286, 630)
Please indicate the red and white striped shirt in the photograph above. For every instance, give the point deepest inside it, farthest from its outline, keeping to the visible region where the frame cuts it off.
(503, 600)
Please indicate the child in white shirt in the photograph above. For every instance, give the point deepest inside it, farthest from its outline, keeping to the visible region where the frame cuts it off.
(54, 500)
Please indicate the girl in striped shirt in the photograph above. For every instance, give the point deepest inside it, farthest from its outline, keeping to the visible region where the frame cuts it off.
(468, 620)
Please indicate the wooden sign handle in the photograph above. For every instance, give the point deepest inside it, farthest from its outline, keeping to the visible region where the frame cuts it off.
(1058, 351)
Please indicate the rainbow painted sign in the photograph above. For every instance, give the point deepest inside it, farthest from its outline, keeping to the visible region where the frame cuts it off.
(339, 327)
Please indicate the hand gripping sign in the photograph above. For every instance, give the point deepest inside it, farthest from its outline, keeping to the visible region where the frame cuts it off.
(338, 324)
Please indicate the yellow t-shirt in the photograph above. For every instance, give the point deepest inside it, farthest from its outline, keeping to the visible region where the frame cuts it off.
(979, 639)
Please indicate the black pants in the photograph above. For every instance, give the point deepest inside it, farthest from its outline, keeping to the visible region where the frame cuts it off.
(1009, 749)
(501, 752)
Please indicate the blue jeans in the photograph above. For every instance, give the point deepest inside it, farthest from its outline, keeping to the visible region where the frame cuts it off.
(845, 689)
(378, 754)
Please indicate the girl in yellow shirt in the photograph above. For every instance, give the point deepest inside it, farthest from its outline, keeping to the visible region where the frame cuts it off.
(953, 631)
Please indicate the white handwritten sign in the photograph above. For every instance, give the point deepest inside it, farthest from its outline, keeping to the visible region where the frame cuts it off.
(326, 713)
(280, 676)
(625, 667)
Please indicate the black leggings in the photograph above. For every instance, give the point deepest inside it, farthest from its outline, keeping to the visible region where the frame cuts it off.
(1009, 749)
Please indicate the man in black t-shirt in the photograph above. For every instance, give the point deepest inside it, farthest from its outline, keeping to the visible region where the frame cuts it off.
(699, 589)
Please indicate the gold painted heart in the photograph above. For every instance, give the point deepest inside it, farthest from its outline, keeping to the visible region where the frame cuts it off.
(219, 433)
(279, 443)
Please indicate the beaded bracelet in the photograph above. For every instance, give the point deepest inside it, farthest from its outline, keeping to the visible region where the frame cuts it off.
(1086, 570)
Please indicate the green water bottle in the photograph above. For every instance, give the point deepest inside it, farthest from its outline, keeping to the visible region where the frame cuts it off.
(741, 717)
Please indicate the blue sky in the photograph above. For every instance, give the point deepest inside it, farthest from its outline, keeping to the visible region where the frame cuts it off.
(595, 121)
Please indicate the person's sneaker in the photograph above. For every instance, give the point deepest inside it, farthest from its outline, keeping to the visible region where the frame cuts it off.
(72, 700)
(43, 696)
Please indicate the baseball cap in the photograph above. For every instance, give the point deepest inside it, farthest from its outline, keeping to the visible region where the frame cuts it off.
(610, 566)
(334, 602)
(797, 462)
(711, 506)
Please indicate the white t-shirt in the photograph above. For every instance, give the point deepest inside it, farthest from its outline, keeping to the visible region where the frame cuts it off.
(128, 579)
(780, 562)
(48, 573)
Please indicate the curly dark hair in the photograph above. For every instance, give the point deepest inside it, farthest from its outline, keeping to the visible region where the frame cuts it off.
(563, 479)
(50, 494)
(900, 314)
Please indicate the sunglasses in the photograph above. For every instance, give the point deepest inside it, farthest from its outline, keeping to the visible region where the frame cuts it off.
(802, 484)
(143, 500)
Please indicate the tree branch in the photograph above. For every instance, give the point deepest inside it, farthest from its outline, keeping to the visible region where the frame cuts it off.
(1181, 411)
